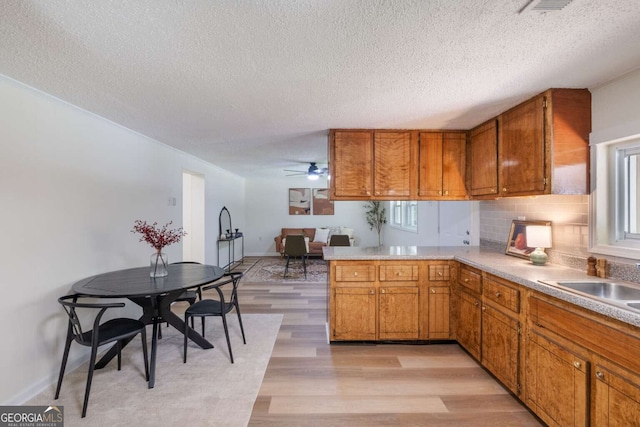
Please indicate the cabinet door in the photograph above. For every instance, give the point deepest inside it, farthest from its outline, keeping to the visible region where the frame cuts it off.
(617, 398)
(501, 347)
(393, 164)
(556, 382)
(483, 159)
(521, 149)
(468, 331)
(352, 164)
(454, 147)
(354, 311)
(430, 160)
(439, 325)
(398, 312)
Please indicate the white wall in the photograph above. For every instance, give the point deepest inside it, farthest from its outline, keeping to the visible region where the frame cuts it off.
(72, 185)
(615, 109)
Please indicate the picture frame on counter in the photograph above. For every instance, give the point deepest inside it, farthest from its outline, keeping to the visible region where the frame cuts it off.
(517, 241)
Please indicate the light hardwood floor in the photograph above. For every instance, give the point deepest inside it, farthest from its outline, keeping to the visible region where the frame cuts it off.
(309, 382)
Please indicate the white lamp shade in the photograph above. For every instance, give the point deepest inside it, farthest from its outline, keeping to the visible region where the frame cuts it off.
(538, 236)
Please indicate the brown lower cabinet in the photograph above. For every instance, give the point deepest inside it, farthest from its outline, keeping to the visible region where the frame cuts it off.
(556, 383)
(569, 365)
(468, 315)
(389, 300)
(616, 396)
(582, 368)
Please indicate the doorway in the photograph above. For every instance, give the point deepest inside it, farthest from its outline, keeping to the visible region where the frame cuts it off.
(193, 216)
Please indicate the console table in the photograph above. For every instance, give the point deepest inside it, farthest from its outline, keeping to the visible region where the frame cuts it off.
(233, 260)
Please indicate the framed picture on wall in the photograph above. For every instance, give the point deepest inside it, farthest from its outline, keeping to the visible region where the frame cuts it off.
(517, 242)
(321, 203)
(299, 201)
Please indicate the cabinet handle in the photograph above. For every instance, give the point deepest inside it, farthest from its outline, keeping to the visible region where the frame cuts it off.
(504, 189)
(577, 364)
(493, 190)
(377, 193)
(368, 193)
(439, 192)
(373, 291)
(439, 273)
(476, 303)
(446, 193)
(398, 274)
(600, 375)
(355, 273)
(466, 280)
(497, 294)
(433, 291)
(484, 308)
(382, 291)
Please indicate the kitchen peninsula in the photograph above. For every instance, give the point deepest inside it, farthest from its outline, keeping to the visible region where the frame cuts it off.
(570, 358)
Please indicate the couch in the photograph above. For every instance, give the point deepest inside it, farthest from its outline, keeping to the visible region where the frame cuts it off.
(315, 244)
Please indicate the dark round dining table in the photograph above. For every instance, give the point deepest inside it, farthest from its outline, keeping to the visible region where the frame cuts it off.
(153, 295)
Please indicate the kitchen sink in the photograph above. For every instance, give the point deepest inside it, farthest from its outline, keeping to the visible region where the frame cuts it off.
(618, 294)
(605, 290)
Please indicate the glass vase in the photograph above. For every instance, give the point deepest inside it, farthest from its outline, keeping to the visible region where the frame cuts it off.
(159, 263)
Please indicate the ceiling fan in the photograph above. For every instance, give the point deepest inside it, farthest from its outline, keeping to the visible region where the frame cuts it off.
(313, 173)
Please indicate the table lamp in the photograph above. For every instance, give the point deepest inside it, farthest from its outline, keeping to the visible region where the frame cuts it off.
(539, 237)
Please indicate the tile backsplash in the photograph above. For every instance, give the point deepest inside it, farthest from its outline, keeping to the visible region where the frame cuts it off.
(569, 216)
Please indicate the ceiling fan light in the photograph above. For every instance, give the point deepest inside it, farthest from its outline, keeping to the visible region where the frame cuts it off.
(313, 177)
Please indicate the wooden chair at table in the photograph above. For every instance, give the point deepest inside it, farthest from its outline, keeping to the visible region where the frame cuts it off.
(212, 307)
(114, 330)
(296, 247)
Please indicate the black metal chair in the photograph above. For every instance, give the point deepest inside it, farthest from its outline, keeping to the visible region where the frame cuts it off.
(295, 247)
(188, 296)
(339, 240)
(211, 307)
(107, 332)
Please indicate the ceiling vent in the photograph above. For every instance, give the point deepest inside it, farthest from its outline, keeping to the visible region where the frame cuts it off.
(543, 6)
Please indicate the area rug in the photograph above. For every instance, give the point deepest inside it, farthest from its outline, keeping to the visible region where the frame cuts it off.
(271, 269)
(206, 391)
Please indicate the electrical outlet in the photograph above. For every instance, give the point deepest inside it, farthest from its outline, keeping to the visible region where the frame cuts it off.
(638, 265)
(522, 218)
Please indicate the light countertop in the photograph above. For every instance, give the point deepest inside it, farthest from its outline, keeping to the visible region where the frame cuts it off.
(511, 268)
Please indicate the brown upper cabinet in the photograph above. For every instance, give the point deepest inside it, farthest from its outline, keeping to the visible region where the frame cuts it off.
(543, 144)
(351, 161)
(442, 163)
(540, 146)
(483, 159)
(367, 164)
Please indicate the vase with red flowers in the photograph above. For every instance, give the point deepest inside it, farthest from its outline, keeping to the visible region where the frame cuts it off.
(158, 238)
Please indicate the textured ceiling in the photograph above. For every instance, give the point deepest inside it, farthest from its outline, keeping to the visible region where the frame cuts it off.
(254, 86)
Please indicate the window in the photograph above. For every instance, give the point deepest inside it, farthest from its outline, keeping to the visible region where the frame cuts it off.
(627, 175)
(615, 201)
(404, 215)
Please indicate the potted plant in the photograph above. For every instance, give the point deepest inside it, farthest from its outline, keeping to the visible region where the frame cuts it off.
(376, 217)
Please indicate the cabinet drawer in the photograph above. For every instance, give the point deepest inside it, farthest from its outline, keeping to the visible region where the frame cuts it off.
(439, 273)
(355, 273)
(470, 280)
(398, 273)
(501, 294)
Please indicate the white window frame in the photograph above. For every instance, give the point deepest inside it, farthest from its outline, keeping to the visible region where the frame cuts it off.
(401, 214)
(609, 197)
